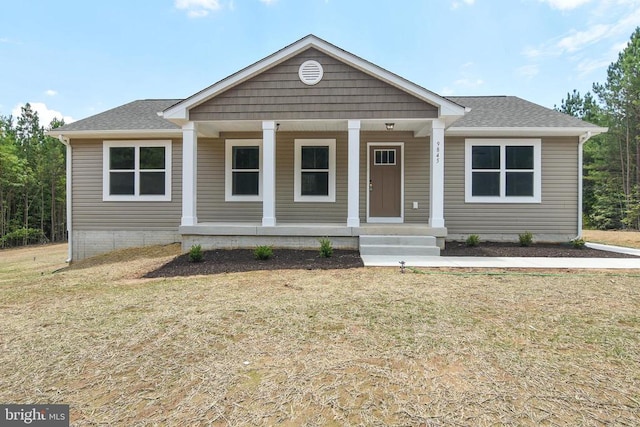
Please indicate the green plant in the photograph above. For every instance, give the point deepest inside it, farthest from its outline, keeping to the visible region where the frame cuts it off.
(22, 236)
(577, 243)
(526, 238)
(195, 253)
(263, 252)
(473, 240)
(326, 248)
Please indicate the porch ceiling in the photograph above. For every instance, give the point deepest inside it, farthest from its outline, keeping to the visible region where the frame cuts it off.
(420, 127)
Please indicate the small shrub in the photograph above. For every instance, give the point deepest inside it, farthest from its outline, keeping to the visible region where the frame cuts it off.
(473, 240)
(22, 236)
(326, 249)
(526, 239)
(263, 252)
(195, 253)
(578, 243)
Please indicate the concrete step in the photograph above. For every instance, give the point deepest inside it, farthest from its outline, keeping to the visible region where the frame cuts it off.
(399, 250)
(399, 246)
(398, 240)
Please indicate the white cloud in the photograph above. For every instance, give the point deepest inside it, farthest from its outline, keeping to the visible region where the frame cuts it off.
(469, 83)
(44, 113)
(457, 3)
(588, 65)
(197, 8)
(619, 47)
(50, 92)
(579, 39)
(528, 71)
(268, 2)
(447, 91)
(565, 4)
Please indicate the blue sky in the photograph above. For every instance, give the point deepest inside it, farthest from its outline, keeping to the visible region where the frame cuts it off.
(77, 58)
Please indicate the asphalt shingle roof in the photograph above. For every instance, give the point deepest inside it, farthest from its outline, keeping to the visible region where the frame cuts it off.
(486, 111)
(511, 112)
(136, 115)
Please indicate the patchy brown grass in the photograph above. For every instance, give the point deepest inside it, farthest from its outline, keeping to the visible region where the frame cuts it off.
(630, 239)
(365, 346)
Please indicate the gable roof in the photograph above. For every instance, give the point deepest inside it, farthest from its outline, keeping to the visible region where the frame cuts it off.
(179, 113)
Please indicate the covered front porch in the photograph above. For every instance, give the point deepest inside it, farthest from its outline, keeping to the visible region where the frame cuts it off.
(279, 219)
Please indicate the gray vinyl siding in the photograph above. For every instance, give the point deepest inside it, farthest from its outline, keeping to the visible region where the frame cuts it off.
(556, 215)
(90, 212)
(212, 206)
(343, 93)
(288, 211)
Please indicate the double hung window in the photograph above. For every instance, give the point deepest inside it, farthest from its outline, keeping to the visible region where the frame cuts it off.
(136, 170)
(503, 171)
(315, 170)
(243, 170)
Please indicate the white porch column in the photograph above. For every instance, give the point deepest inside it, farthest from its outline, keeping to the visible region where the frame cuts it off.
(189, 173)
(268, 174)
(436, 198)
(353, 180)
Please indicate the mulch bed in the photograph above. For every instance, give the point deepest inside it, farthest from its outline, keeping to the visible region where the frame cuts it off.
(506, 249)
(240, 260)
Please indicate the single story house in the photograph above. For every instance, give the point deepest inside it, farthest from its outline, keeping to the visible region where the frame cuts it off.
(313, 141)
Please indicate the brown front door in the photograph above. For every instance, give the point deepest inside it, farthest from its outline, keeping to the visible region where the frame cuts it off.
(385, 181)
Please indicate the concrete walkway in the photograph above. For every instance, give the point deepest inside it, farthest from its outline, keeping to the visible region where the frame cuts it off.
(512, 262)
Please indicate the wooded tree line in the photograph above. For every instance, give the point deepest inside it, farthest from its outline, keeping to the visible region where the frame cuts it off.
(612, 160)
(32, 181)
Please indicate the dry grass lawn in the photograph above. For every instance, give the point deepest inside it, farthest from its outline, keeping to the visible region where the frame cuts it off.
(338, 347)
(630, 239)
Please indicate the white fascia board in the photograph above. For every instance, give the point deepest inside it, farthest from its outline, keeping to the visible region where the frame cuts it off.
(181, 110)
(520, 131)
(121, 133)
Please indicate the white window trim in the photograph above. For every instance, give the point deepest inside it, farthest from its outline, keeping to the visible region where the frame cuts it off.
(228, 188)
(297, 190)
(537, 171)
(136, 144)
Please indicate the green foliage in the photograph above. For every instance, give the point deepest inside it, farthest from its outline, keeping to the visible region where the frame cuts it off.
(32, 178)
(195, 253)
(612, 160)
(326, 248)
(263, 252)
(525, 239)
(473, 240)
(22, 236)
(578, 243)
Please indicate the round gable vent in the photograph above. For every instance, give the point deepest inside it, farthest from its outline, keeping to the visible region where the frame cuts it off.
(310, 72)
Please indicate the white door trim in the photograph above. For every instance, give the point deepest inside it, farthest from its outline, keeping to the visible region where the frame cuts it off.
(382, 220)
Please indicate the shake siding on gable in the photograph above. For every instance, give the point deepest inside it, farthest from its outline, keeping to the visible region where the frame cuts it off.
(91, 213)
(556, 215)
(343, 93)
